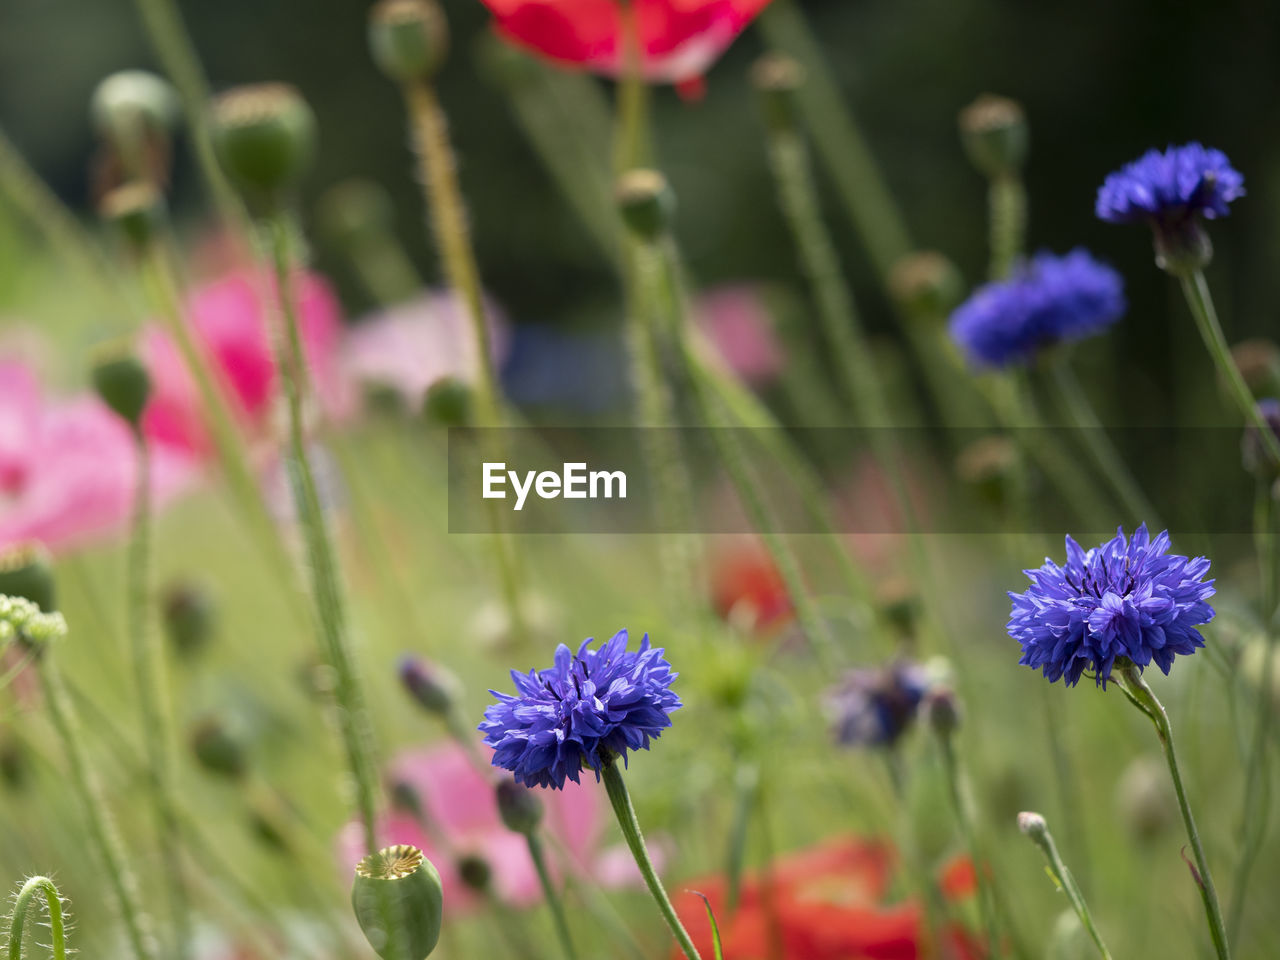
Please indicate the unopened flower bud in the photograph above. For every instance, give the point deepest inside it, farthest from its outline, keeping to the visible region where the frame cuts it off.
(25, 572)
(994, 132)
(475, 873)
(776, 78)
(519, 807)
(646, 203)
(942, 707)
(265, 137)
(1258, 361)
(1182, 247)
(434, 688)
(408, 38)
(398, 902)
(1254, 452)
(137, 213)
(1032, 824)
(218, 749)
(130, 108)
(449, 402)
(122, 382)
(925, 285)
(989, 465)
(405, 798)
(190, 616)
(354, 212)
(900, 605)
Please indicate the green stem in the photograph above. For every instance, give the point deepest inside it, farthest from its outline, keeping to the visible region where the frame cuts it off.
(1196, 290)
(102, 830)
(620, 799)
(44, 887)
(1104, 453)
(552, 895)
(1007, 221)
(1044, 840)
(839, 143)
(1131, 681)
(330, 609)
(632, 146)
(157, 725)
(964, 817)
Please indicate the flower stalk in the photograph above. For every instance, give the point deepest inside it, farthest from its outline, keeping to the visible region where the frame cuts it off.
(554, 904)
(1035, 828)
(31, 889)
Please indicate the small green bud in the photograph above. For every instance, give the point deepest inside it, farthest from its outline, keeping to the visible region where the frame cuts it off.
(26, 572)
(942, 707)
(993, 130)
(646, 203)
(475, 872)
(190, 616)
(353, 212)
(1032, 824)
(122, 382)
(449, 403)
(409, 39)
(265, 138)
(136, 211)
(925, 285)
(434, 688)
(776, 78)
(398, 901)
(519, 807)
(218, 749)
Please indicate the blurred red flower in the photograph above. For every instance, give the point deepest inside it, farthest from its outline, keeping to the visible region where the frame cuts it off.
(825, 903)
(746, 587)
(679, 39)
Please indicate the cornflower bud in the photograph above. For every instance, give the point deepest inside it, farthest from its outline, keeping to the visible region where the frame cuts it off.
(190, 616)
(925, 285)
(434, 688)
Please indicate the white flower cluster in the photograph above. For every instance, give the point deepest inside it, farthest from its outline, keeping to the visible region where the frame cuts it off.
(19, 617)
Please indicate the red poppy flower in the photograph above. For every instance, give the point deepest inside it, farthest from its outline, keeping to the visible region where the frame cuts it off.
(825, 903)
(679, 39)
(746, 586)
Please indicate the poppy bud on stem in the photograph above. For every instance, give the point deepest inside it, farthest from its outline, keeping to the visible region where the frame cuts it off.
(993, 130)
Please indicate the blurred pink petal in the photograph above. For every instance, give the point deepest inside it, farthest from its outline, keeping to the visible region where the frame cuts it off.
(411, 346)
(233, 325)
(615, 868)
(739, 327)
(19, 420)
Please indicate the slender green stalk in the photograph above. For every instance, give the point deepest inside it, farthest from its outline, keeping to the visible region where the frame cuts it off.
(326, 592)
(632, 143)
(1037, 830)
(1196, 291)
(1104, 453)
(33, 887)
(102, 830)
(1256, 813)
(152, 694)
(620, 799)
(839, 143)
(1007, 221)
(551, 893)
(964, 817)
(1132, 683)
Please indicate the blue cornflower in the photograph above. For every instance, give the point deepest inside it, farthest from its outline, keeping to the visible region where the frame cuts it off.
(1047, 300)
(583, 710)
(1169, 187)
(873, 707)
(1126, 598)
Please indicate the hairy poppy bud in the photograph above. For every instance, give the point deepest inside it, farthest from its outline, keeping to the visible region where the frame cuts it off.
(122, 382)
(408, 38)
(776, 78)
(475, 872)
(130, 101)
(25, 572)
(646, 203)
(993, 130)
(265, 137)
(519, 807)
(398, 899)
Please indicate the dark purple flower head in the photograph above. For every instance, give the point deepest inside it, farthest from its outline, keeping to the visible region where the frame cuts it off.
(1047, 300)
(873, 707)
(1126, 598)
(1167, 188)
(604, 701)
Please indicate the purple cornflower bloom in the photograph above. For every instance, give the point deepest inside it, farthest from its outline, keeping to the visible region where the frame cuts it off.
(1047, 300)
(1169, 187)
(585, 708)
(873, 707)
(1126, 598)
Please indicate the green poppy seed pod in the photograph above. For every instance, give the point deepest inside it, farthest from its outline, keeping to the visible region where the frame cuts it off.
(409, 39)
(449, 403)
(776, 78)
(122, 382)
(265, 138)
(354, 212)
(26, 572)
(190, 616)
(136, 211)
(993, 130)
(398, 901)
(133, 103)
(646, 203)
(1032, 824)
(519, 807)
(925, 285)
(218, 749)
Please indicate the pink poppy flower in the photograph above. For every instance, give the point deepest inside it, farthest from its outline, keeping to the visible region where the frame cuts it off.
(233, 324)
(737, 323)
(462, 814)
(69, 466)
(410, 347)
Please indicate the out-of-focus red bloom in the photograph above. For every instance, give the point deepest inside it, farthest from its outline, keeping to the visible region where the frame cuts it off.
(231, 322)
(679, 39)
(825, 903)
(745, 585)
